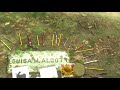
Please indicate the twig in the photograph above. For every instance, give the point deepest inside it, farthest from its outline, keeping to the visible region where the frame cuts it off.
(59, 39)
(94, 69)
(90, 62)
(74, 42)
(90, 55)
(8, 39)
(37, 37)
(66, 41)
(6, 45)
(85, 50)
(79, 47)
(52, 40)
(56, 41)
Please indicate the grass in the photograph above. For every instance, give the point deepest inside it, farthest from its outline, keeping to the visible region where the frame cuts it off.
(70, 25)
(38, 30)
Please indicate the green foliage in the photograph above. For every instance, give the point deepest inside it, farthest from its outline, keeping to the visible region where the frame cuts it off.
(38, 30)
(26, 46)
(18, 51)
(35, 46)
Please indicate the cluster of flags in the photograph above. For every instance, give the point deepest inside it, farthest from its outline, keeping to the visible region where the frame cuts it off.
(29, 39)
(55, 40)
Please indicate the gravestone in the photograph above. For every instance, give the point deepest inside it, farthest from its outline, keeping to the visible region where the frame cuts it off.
(37, 59)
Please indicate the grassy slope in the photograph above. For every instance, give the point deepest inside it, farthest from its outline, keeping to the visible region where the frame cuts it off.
(101, 32)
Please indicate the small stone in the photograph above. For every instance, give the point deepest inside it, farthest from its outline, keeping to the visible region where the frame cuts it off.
(78, 69)
(112, 54)
(90, 27)
(7, 23)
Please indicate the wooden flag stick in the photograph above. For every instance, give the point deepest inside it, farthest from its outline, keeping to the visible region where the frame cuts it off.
(90, 55)
(61, 36)
(65, 42)
(29, 40)
(74, 42)
(52, 40)
(56, 41)
(85, 50)
(8, 39)
(59, 39)
(90, 61)
(20, 38)
(6, 45)
(37, 37)
(94, 69)
(79, 47)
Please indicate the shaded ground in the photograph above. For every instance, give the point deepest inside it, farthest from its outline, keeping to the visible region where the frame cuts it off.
(101, 30)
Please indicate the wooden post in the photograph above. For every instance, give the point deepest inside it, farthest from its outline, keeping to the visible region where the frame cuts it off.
(52, 40)
(37, 37)
(20, 38)
(29, 40)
